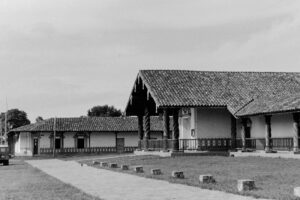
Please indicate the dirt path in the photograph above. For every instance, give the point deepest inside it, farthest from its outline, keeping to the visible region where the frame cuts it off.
(111, 185)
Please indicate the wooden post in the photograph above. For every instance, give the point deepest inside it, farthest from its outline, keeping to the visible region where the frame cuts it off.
(54, 136)
(233, 132)
(268, 133)
(176, 130)
(243, 133)
(147, 128)
(89, 141)
(296, 132)
(166, 134)
(140, 130)
(62, 142)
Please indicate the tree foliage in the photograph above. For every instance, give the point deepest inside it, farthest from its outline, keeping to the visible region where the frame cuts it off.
(39, 119)
(15, 118)
(104, 111)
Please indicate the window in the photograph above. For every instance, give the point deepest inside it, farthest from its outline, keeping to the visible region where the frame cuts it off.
(80, 143)
(57, 143)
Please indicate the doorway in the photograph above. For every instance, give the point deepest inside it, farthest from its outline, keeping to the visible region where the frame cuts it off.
(35, 146)
(80, 143)
(120, 143)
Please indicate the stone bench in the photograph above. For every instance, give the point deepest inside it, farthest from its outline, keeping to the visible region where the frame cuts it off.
(155, 171)
(297, 191)
(206, 178)
(124, 167)
(177, 174)
(245, 185)
(96, 163)
(103, 164)
(113, 165)
(138, 169)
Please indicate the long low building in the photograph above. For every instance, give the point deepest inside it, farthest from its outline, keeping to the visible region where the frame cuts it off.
(83, 134)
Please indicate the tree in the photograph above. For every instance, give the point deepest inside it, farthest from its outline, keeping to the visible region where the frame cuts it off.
(104, 111)
(15, 119)
(39, 119)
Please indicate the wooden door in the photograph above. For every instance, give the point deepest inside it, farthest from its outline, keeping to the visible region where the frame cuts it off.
(120, 143)
(35, 146)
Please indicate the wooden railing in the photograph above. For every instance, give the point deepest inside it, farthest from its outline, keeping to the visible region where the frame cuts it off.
(260, 143)
(85, 150)
(219, 144)
(155, 145)
(207, 144)
(282, 143)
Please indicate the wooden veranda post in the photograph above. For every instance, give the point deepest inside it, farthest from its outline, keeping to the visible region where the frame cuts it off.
(140, 130)
(243, 133)
(147, 128)
(233, 132)
(296, 132)
(268, 133)
(54, 136)
(176, 130)
(166, 134)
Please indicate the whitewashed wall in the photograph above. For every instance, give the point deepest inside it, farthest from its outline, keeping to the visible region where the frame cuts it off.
(187, 123)
(69, 141)
(207, 123)
(131, 138)
(281, 126)
(257, 127)
(45, 140)
(24, 146)
(213, 123)
(103, 139)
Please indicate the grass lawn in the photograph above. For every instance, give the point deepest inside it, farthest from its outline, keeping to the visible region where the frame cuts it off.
(21, 181)
(275, 178)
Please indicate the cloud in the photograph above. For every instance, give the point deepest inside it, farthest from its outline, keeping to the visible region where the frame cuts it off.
(59, 57)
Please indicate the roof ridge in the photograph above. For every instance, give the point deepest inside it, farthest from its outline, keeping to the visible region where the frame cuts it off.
(221, 71)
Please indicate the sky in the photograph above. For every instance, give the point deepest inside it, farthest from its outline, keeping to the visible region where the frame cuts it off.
(62, 57)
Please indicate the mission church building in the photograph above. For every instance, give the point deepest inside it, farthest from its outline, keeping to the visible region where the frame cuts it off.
(218, 110)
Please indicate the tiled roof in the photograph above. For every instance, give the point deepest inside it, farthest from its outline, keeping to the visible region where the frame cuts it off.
(234, 90)
(271, 105)
(97, 124)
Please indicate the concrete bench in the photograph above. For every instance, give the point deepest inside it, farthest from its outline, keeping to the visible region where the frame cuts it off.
(177, 174)
(103, 164)
(297, 191)
(138, 169)
(83, 165)
(96, 163)
(206, 178)
(245, 185)
(113, 165)
(124, 167)
(155, 171)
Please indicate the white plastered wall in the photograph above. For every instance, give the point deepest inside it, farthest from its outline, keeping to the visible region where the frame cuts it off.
(281, 126)
(257, 127)
(187, 123)
(69, 141)
(103, 139)
(23, 146)
(45, 140)
(212, 123)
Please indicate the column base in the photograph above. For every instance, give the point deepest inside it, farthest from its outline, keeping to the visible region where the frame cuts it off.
(296, 150)
(269, 150)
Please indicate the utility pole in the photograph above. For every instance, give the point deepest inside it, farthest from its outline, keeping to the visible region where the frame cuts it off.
(5, 126)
